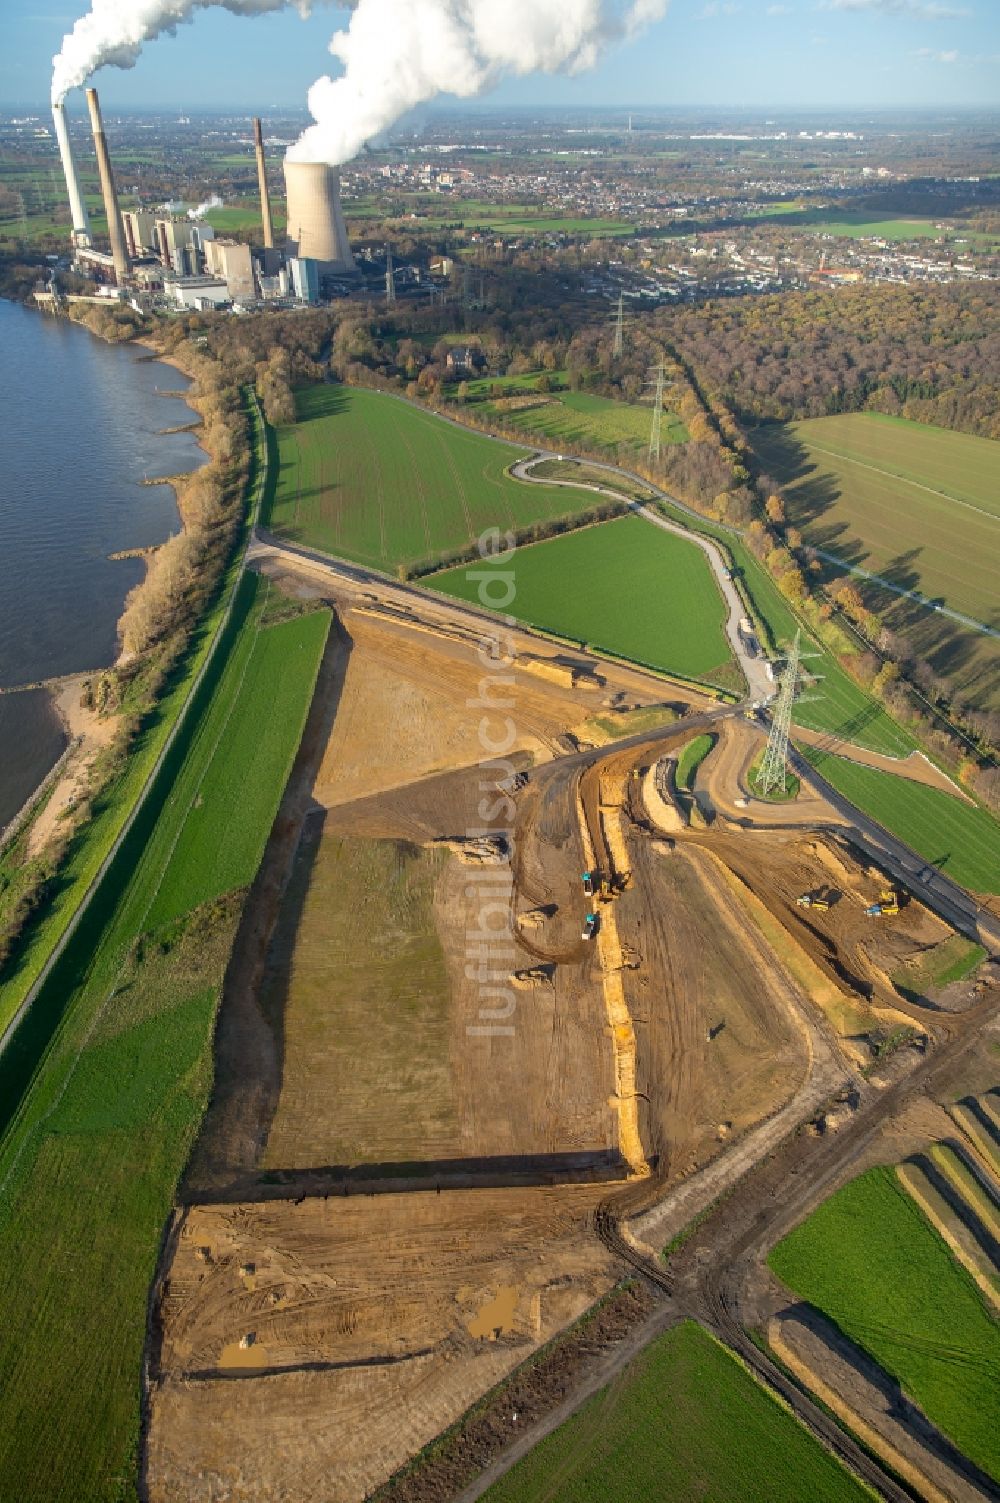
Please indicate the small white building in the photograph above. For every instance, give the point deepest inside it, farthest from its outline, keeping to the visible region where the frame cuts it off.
(197, 293)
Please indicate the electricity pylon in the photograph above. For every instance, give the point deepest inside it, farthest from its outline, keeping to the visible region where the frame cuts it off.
(390, 278)
(619, 345)
(654, 432)
(773, 771)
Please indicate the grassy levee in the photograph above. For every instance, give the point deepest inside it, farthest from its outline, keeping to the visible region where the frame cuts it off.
(684, 1422)
(90, 1162)
(873, 1264)
(96, 840)
(365, 476)
(961, 839)
(581, 587)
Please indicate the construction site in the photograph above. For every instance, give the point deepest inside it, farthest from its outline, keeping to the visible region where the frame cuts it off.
(496, 971)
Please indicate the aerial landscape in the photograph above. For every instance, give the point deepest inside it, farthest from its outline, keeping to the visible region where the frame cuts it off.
(500, 711)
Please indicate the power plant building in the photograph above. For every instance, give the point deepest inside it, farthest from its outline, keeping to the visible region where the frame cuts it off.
(232, 261)
(316, 229)
(304, 275)
(140, 232)
(180, 243)
(198, 293)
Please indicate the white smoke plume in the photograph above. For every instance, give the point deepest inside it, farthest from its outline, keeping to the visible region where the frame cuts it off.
(113, 32)
(215, 202)
(398, 53)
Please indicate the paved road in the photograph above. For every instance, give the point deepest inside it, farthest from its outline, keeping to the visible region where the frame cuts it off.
(939, 892)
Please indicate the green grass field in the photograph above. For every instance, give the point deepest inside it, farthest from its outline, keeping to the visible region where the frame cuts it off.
(509, 219)
(961, 839)
(849, 224)
(623, 586)
(915, 504)
(369, 478)
(89, 1164)
(871, 1262)
(686, 1423)
(580, 419)
(691, 757)
(951, 960)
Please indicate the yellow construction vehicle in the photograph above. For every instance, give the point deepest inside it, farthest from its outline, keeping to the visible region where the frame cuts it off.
(807, 900)
(887, 905)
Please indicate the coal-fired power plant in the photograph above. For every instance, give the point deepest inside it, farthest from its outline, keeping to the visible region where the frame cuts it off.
(77, 207)
(162, 258)
(316, 229)
(116, 231)
(265, 197)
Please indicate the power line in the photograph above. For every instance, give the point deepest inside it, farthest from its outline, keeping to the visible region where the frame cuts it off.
(773, 773)
(390, 278)
(619, 345)
(657, 423)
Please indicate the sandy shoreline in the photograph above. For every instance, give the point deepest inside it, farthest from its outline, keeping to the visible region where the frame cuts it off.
(88, 734)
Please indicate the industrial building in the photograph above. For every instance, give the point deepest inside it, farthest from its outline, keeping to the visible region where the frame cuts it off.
(231, 260)
(178, 260)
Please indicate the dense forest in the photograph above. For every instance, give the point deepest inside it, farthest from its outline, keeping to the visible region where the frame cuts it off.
(929, 353)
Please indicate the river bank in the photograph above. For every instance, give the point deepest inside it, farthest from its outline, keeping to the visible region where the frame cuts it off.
(85, 423)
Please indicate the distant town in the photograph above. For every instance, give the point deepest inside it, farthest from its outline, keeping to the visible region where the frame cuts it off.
(655, 208)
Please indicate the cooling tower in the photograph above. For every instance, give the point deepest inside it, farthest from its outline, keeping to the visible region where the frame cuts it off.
(77, 207)
(116, 231)
(265, 197)
(316, 229)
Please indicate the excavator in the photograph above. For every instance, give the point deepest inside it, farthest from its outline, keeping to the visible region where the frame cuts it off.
(887, 905)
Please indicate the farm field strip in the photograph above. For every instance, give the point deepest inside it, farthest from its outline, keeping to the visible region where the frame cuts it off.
(959, 1225)
(685, 1409)
(961, 839)
(91, 1163)
(914, 1309)
(899, 475)
(959, 466)
(979, 1193)
(381, 482)
(851, 480)
(967, 1115)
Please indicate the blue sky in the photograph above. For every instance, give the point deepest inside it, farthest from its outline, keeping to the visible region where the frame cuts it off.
(763, 53)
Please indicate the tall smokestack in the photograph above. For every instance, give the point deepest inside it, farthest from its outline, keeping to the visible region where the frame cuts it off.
(265, 197)
(77, 207)
(316, 229)
(115, 228)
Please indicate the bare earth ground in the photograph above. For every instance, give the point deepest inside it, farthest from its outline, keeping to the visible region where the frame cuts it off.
(375, 1318)
(92, 732)
(392, 1201)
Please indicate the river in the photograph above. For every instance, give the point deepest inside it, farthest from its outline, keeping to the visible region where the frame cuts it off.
(81, 423)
